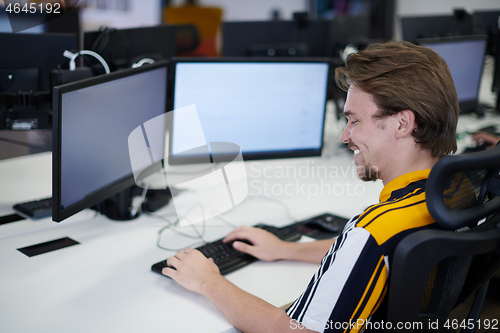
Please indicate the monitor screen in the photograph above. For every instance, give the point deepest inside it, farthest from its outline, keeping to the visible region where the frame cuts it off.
(464, 56)
(92, 121)
(270, 109)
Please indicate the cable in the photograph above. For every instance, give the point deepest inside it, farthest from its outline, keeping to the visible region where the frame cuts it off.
(142, 62)
(172, 224)
(72, 56)
(137, 205)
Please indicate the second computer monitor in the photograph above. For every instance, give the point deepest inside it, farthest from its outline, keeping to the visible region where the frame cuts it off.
(269, 108)
(464, 56)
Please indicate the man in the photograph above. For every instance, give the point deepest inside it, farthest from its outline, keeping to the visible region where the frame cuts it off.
(402, 112)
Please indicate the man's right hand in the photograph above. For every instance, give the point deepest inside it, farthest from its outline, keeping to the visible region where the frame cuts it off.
(265, 245)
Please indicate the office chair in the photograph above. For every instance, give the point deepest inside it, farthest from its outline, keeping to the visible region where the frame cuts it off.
(433, 271)
(186, 38)
(206, 19)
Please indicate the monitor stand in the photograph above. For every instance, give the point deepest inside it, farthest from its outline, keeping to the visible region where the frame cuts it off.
(119, 206)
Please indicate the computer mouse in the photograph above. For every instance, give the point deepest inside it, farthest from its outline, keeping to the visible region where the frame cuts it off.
(319, 224)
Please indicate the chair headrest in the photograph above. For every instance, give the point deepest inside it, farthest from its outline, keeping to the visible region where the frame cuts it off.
(463, 189)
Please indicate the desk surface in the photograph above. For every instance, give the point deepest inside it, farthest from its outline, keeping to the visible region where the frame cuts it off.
(104, 284)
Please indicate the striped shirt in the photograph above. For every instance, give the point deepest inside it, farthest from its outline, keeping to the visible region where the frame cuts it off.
(351, 282)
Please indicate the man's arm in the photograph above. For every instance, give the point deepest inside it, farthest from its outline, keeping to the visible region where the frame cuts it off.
(246, 312)
(266, 246)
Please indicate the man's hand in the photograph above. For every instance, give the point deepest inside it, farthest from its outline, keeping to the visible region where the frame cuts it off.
(192, 270)
(483, 137)
(265, 245)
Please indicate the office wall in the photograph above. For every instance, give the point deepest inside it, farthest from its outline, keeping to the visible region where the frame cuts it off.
(439, 7)
(120, 13)
(248, 10)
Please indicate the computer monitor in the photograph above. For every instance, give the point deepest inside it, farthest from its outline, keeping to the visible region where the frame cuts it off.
(419, 27)
(121, 48)
(297, 38)
(488, 22)
(270, 108)
(26, 61)
(277, 38)
(93, 119)
(465, 57)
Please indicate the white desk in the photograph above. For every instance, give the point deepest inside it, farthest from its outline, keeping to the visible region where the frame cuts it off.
(105, 284)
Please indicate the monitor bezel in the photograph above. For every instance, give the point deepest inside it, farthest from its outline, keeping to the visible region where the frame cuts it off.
(58, 213)
(470, 105)
(180, 160)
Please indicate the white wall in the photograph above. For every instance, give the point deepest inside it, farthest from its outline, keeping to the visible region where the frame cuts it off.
(140, 13)
(425, 7)
(254, 10)
(438, 7)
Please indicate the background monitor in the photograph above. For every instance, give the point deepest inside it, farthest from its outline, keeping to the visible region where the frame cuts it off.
(42, 51)
(418, 27)
(269, 108)
(26, 61)
(277, 38)
(465, 57)
(92, 121)
(123, 47)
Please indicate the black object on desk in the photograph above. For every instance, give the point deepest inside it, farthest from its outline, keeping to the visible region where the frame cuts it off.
(35, 209)
(323, 226)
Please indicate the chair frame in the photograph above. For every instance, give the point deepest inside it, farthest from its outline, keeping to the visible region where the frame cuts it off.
(420, 252)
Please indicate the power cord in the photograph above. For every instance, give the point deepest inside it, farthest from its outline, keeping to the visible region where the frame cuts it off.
(72, 57)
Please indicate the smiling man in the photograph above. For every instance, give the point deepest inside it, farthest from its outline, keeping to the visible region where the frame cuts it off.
(402, 112)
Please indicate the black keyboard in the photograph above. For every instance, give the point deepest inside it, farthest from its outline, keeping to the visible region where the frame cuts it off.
(35, 209)
(228, 259)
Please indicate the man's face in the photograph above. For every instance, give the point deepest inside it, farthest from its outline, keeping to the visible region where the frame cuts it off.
(366, 136)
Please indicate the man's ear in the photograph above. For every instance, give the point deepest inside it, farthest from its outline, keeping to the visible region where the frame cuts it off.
(406, 123)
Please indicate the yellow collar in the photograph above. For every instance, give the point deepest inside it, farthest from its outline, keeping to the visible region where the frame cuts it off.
(401, 182)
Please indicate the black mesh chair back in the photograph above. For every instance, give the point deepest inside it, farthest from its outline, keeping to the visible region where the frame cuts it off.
(433, 271)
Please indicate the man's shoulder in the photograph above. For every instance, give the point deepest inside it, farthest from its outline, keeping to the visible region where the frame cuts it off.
(388, 219)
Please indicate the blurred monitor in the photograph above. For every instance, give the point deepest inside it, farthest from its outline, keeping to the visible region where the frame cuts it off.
(26, 61)
(419, 27)
(277, 38)
(465, 58)
(306, 38)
